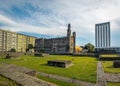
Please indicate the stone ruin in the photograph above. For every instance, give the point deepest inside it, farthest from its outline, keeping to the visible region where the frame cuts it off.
(116, 64)
(11, 55)
(60, 63)
(41, 54)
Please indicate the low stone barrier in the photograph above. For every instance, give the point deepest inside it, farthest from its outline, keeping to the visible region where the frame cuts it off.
(60, 63)
(116, 64)
(41, 54)
(85, 54)
(32, 73)
(109, 58)
(2, 54)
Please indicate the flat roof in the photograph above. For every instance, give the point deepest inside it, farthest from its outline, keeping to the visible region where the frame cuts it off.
(102, 23)
(16, 33)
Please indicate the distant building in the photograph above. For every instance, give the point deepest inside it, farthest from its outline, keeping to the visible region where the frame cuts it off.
(102, 35)
(103, 40)
(10, 40)
(57, 45)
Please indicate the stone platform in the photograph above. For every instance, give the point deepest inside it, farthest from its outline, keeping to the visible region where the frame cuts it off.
(60, 63)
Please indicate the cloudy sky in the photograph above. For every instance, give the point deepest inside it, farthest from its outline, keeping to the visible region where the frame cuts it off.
(49, 18)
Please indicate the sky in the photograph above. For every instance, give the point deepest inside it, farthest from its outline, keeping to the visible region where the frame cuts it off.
(49, 18)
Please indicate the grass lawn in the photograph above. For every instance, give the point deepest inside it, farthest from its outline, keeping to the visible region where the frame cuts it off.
(113, 84)
(84, 68)
(108, 67)
(6, 82)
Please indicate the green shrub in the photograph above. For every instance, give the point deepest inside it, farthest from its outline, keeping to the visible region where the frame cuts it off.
(12, 50)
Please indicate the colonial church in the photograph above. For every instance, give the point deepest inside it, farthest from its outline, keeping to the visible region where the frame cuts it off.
(57, 45)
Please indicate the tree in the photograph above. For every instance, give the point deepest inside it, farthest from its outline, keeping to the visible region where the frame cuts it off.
(78, 49)
(30, 46)
(13, 50)
(90, 47)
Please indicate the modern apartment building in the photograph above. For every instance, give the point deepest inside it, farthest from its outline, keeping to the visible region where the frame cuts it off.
(102, 39)
(19, 42)
(7, 40)
(102, 35)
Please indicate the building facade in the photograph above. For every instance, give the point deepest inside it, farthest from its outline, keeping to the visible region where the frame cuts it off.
(102, 39)
(11, 40)
(102, 35)
(57, 45)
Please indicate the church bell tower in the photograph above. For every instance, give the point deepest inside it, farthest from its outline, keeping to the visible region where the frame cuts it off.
(69, 38)
(69, 31)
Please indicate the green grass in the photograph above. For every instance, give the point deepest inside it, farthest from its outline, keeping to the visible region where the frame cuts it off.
(6, 82)
(108, 67)
(58, 82)
(84, 68)
(113, 84)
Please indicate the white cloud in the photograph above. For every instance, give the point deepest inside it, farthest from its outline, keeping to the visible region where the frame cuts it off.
(82, 14)
(5, 20)
(14, 26)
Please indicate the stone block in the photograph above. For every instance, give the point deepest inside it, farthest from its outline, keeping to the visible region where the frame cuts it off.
(116, 64)
(60, 63)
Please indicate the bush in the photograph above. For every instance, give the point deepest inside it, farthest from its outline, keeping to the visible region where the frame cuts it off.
(13, 50)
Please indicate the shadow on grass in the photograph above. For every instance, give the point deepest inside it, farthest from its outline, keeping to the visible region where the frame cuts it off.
(44, 64)
(110, 66)
(52, 66)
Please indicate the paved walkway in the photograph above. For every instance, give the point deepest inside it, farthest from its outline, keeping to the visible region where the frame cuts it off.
(20, 75)
(101, 79)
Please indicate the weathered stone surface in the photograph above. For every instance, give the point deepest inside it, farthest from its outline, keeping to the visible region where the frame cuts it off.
(41, 54)
(111, 77)
(60, 63)
(116, 64)
(11, 68)
(32, 73)
(10, 55)
(20, 76)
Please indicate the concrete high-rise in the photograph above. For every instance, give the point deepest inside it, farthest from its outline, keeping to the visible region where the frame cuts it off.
(102, 35)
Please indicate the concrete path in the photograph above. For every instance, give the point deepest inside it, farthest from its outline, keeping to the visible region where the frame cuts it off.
(20, 75)
(101, 79)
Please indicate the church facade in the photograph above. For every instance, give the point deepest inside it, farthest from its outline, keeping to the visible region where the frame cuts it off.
(57, 45)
